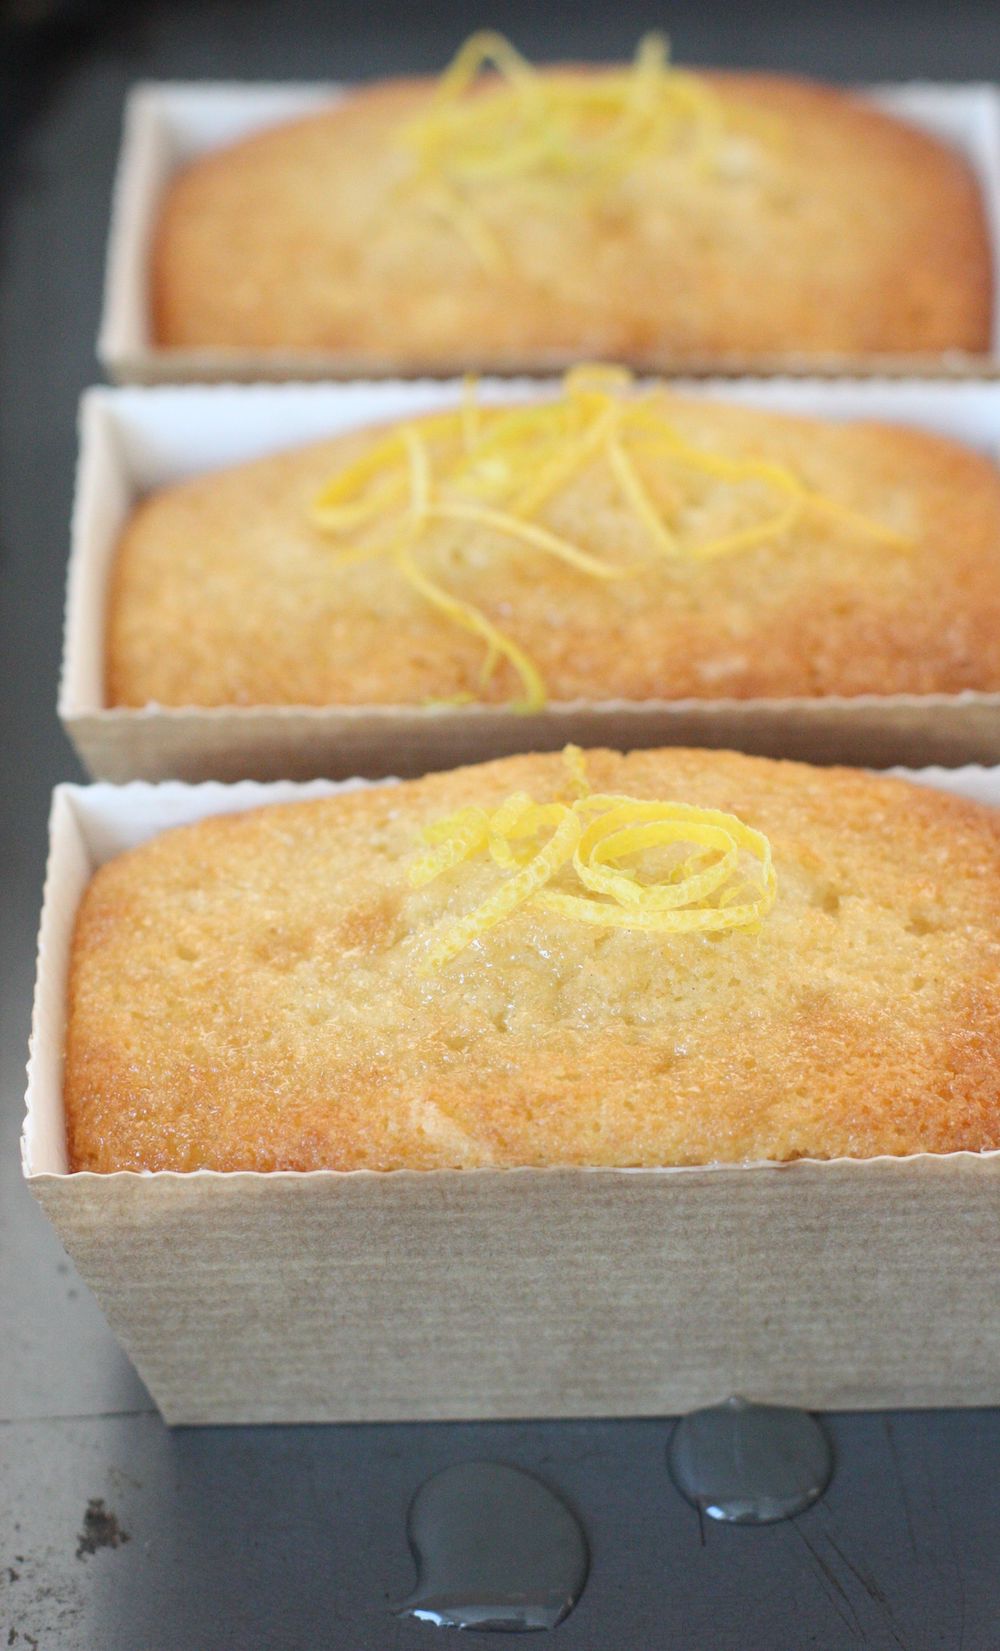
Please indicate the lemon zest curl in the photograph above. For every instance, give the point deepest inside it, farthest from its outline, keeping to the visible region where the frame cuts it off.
(496, 468)
(726, 881)
(585, 130)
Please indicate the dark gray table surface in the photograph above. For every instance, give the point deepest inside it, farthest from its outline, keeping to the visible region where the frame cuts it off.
(293, 1539)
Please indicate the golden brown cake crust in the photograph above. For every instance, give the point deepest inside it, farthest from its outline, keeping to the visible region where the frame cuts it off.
(246, 993)
(828, 229)
(225, 593)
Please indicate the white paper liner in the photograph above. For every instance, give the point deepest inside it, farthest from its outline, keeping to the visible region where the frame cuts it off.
(329, 1296)
(169, 123)
(136, 439)
(499, 1293)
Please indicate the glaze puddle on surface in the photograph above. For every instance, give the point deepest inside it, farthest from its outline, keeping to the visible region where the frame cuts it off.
(495, 1549)
(750, 1464)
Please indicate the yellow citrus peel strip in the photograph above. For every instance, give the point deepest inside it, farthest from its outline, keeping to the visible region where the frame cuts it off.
(497, 468)
(579, 128)
(726, 880)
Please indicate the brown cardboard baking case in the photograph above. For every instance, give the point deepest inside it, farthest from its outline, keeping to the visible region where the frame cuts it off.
(136, 439)
(168, 123)
(563, 1292)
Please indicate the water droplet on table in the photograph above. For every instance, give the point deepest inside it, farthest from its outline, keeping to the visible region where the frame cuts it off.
(748, 1463)
(495, 1549)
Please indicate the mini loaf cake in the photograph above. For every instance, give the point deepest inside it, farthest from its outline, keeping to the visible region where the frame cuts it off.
(671, 957)
(528, 219)
(606, 543)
